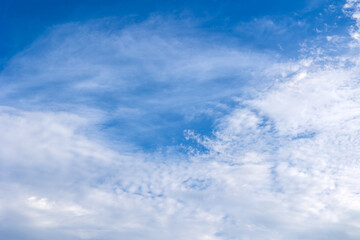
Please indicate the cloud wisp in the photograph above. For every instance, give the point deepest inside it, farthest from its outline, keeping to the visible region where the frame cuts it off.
(147, 77)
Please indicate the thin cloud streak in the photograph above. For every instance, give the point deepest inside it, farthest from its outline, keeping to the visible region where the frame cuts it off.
(141, 77)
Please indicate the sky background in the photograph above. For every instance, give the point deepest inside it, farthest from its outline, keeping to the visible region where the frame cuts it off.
(206, 120)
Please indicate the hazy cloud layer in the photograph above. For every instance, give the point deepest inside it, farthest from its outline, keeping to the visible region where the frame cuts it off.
(280, 161)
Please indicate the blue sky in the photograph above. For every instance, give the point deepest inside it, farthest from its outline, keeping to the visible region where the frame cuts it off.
(25, 21)
(209, 120)
(277, 28)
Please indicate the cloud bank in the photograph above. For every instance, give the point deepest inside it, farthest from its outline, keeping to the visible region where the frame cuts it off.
(280, 160)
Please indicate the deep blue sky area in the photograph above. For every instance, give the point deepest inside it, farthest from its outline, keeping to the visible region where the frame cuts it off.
(23, 21)
(277, 26)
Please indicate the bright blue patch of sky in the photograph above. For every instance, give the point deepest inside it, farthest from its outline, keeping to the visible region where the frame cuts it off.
(23, 21)
(261, 25)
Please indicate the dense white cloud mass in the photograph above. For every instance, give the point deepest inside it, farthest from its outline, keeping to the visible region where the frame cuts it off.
(281, 164)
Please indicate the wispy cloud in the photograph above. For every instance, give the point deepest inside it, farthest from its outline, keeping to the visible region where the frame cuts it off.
(141, 76)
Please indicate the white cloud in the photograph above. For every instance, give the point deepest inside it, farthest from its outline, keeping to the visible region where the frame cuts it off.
(282, 164)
